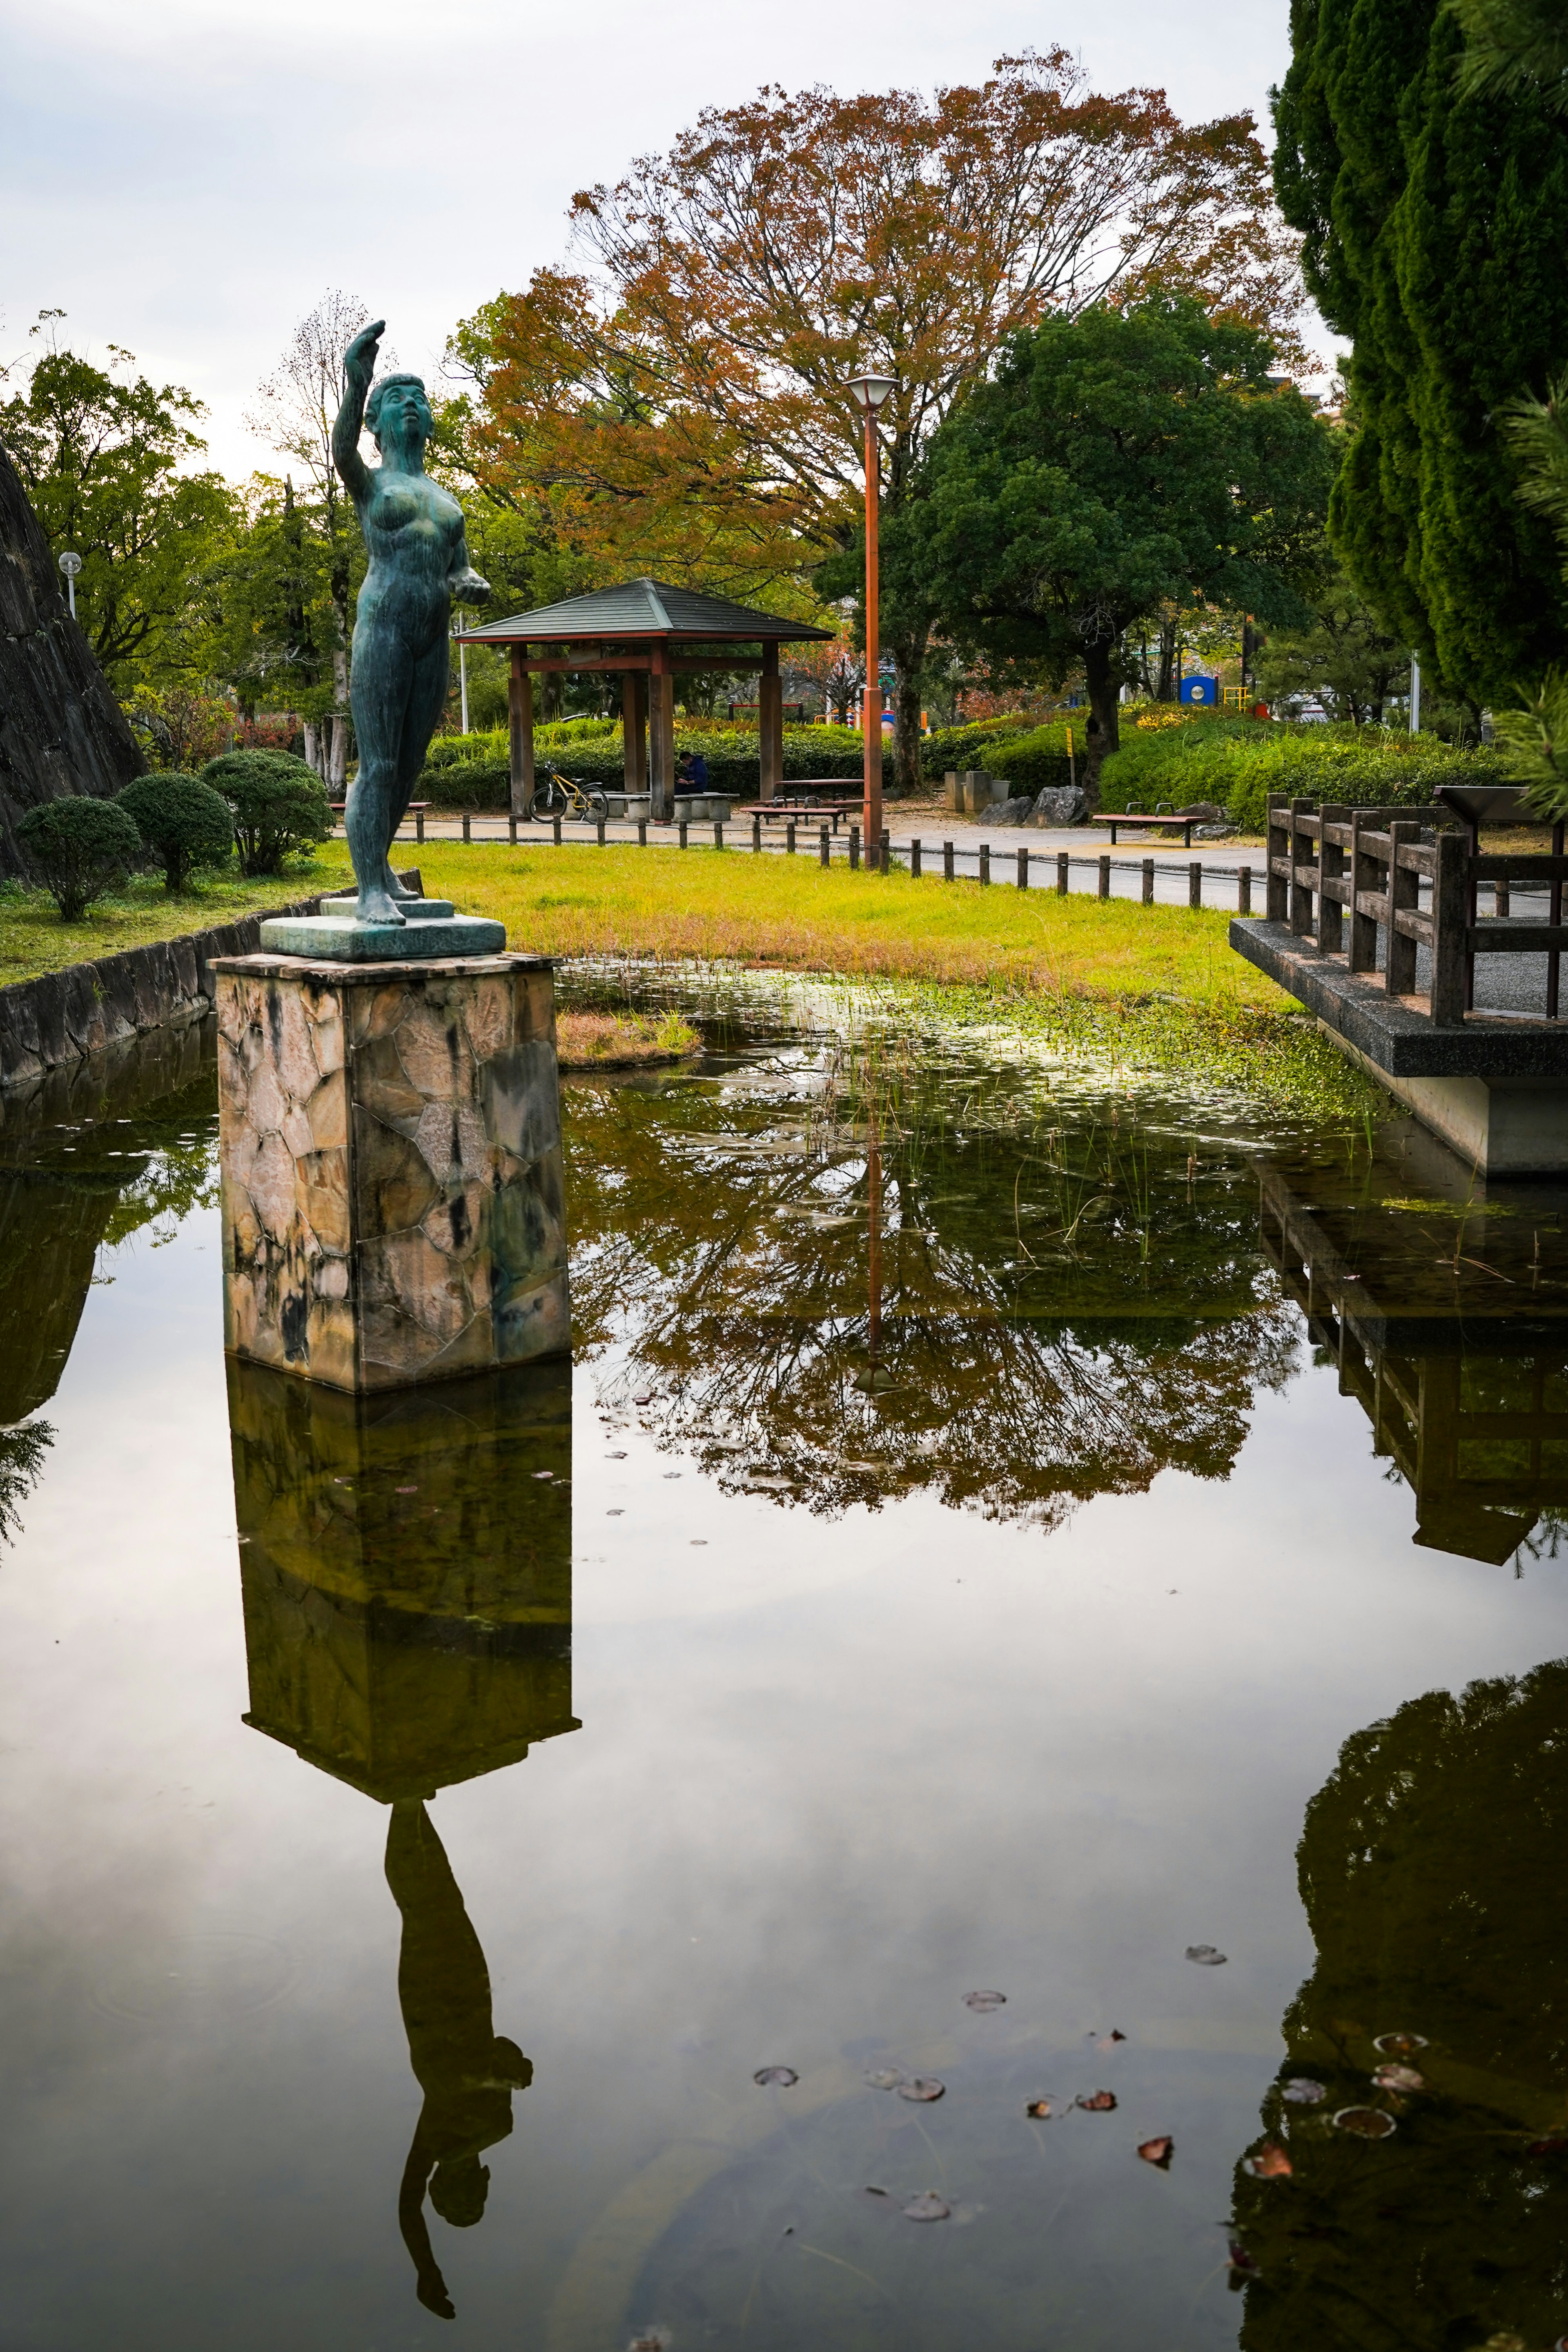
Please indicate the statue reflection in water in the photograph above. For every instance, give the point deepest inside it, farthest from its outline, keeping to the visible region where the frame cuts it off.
(467, 2070)
(407, 1564)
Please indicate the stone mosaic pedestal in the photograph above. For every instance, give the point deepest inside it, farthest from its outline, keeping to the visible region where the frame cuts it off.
(392, 1197)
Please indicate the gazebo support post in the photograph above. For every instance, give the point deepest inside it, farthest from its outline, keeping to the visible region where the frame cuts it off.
(520, 711)
(660, 737)
(770, 722)
(633, 730)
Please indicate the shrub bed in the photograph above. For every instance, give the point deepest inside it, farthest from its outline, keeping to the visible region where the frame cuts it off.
(474, 771)
(1238, 762)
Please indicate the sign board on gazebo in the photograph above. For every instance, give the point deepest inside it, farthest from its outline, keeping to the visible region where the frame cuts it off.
(650, 633)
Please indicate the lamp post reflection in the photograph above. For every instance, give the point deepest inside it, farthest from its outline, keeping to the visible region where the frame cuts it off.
(407, 1574)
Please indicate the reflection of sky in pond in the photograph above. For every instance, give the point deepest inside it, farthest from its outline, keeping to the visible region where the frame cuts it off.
(1036, 1701)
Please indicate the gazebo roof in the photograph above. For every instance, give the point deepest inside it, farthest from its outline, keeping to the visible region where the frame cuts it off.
(643, 610)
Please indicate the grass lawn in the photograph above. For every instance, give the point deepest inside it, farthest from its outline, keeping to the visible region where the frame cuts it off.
(1151, 987)
(33, 940)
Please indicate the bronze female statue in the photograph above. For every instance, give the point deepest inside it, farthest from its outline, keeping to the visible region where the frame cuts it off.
(402, 645)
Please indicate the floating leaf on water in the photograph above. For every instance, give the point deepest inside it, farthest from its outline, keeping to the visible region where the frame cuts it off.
(870, 2191)
(1399, 2078)
(1098, 2103)
(1158, 2152)
(923, 2089)
(984, 2000)
(650, 2339)
(1303, 2092)
(1109, 2041)
(617, 1457)
(1041, 2110)
(1365, 2123)
(1270, 2163)
(927, 2208)
(780, 2077)
(614, 1514)
(1400, 2045)
(886, 2078)
(1205, 1956)
(647, 1398)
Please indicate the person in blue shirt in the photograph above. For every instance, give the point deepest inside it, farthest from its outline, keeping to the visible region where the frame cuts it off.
(693, 771)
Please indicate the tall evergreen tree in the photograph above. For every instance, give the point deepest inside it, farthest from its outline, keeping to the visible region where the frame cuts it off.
(1435, 221)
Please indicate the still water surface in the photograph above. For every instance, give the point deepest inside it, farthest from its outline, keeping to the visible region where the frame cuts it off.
(953, 1563)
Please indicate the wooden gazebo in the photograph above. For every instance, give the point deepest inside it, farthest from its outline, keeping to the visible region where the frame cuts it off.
(649, 633)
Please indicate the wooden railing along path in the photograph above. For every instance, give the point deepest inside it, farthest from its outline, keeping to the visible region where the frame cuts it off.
(1351, 880)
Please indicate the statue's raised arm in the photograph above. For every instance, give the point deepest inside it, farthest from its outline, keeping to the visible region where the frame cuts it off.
(359, 366)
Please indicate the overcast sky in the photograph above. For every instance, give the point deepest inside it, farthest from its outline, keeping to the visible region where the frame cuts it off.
(186, 178)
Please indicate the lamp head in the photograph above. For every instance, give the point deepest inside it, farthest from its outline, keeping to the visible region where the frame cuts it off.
(871, 390)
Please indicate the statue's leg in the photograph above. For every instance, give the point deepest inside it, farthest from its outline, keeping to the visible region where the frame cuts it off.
(383, 674)
(426, 700)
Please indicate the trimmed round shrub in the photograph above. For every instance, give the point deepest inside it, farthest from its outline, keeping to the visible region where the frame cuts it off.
(183, 821)
(279, 806)
(81, 848)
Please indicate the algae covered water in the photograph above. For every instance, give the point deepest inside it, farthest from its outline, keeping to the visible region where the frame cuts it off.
(986, 1766)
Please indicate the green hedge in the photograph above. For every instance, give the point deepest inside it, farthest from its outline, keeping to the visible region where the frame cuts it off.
(1238, 762)
(480, 779)
(953, 749)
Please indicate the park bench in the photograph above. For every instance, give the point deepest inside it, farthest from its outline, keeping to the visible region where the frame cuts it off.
(415, 809)
(1164, 821)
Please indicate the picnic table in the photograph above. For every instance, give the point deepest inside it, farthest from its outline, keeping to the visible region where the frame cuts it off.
(827, 796)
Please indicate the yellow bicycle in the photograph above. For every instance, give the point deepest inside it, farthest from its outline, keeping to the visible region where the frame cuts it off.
(557, 795)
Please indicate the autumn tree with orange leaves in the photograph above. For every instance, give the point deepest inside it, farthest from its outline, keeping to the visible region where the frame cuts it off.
(676, 405)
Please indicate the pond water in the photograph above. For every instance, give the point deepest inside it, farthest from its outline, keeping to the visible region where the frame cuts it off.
(529, 1851)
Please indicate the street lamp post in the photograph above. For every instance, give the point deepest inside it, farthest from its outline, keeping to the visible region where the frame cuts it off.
(871, 390)
(462, 666)
(70, 564)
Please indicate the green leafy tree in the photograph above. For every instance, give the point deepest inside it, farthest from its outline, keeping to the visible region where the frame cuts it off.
(1116, 461)
(81, 848)
(1514, 45)
(1433, 222)
(183, 821)
(100, 454)
(279, 806)
(1345, 657)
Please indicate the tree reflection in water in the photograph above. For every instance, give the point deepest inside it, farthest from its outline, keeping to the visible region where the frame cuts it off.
(99, 1152)
(1068, 1302)
(1431, 1868)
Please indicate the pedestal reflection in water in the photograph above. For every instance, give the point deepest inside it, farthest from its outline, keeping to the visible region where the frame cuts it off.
(1428, 2207)
(407, 1572)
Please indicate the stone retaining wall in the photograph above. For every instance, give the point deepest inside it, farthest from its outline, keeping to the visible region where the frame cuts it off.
(65, 1016)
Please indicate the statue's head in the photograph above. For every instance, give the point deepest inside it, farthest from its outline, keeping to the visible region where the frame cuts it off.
(400, 399)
